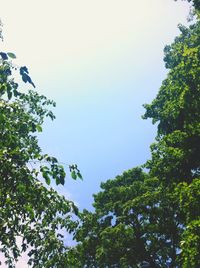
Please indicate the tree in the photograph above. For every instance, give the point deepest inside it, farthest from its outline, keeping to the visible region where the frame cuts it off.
(176, 154)
(133, 223)
(153, 219)
(33, 217)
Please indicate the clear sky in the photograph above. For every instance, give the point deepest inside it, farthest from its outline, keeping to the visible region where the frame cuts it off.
(100, 61)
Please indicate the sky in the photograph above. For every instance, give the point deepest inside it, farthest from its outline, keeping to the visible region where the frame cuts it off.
(100, 61)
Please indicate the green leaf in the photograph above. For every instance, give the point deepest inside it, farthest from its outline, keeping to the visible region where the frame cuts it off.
(47, 179)
(39, 128)
(57, 181)
(9, 93)
(73, 175)
(76, 211)
(11, 55)
(79, 175)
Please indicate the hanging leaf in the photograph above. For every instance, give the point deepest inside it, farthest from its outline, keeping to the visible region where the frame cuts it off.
(47, 179)
(11, 55)
(25, 77)
(79, 175)
(73, 175)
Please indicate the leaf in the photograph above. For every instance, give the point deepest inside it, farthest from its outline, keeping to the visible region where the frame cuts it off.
(9, 93)
(3, 55)
(73, 175)
(11, 55)
(25, 77)
(57, 181)
(39, 128)
(16, 93)
(79, 175)
(62, 181)
(23, 69)
(76, 211)
(47, 179)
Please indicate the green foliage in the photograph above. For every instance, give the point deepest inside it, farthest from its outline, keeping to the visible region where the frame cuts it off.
(153, 219)
(140, 219)
(33, 217)
(133, 222)
(191, 245)
(176, 153)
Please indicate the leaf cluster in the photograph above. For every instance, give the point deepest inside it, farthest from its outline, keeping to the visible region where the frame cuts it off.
(33, 218)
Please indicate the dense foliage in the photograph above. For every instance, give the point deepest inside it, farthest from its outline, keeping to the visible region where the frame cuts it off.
(33, 217)
(153, 219)
(143, 218)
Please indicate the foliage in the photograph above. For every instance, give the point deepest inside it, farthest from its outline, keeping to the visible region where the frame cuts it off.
(33, 217)
(141, 219)
(153, 219)
(132, 223)
(176, 154)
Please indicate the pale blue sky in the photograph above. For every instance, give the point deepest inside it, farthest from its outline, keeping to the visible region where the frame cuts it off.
(100, 61)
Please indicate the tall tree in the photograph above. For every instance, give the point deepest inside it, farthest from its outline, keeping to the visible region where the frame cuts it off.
(33, 217)
(132, 224)
(153, 220)
(176, 154)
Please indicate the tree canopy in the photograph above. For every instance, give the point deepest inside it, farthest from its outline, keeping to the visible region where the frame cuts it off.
(147, 217)
(152, 218)
(33, 216)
